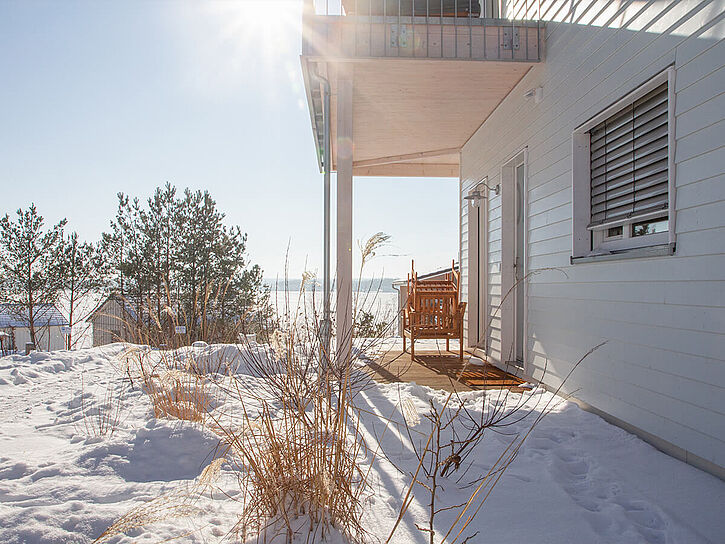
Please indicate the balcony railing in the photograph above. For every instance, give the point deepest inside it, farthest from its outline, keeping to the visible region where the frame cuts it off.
(455, 29)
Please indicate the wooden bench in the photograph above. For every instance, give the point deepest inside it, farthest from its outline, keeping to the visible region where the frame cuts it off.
(433, 310)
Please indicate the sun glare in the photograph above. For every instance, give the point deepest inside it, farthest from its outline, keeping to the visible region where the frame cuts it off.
(269, 25)
(230, 45)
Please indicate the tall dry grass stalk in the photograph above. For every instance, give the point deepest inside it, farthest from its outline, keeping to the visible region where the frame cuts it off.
(296, 440)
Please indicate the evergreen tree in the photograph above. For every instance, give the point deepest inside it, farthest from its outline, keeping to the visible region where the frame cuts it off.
(83, 273)
(30, 263)
(177, 262)
(158, 228)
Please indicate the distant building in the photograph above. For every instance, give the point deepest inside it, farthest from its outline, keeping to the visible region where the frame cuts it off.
(113, 321)
(15, 324)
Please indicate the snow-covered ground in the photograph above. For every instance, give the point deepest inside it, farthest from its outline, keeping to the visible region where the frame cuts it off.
(577, 479)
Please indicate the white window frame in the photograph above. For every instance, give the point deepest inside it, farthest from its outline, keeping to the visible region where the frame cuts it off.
(591, 243)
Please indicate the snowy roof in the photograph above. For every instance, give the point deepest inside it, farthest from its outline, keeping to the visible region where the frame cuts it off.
(15, 315)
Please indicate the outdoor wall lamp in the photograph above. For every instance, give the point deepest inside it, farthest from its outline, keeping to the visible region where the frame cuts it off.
(474, 197)
(537, 94)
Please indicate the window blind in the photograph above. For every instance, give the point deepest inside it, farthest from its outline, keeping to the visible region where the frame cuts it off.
(629, 161)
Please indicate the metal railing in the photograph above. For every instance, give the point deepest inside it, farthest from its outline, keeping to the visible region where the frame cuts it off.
(459, 29)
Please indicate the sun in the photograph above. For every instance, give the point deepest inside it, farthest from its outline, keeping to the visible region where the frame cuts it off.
(228, 45)
(267, 24)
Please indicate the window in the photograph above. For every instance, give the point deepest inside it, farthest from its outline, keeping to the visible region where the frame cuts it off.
(623, 175)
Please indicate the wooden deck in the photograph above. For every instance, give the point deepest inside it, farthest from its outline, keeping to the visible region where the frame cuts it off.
(440, 369)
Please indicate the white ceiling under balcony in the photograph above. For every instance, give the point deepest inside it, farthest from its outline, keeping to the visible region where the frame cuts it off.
(411, 116)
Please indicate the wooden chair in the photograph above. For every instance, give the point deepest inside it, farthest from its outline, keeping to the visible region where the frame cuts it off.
(434, 310)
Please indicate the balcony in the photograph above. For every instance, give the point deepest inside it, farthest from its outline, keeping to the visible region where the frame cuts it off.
(379, 29)
(425, 74)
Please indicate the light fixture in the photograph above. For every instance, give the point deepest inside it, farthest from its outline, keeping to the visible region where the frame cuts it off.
(474, 197)
(537, 94)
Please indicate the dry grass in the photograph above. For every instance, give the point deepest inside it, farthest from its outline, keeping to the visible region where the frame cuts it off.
(171, 379)
(298, 446)
(294, 468)
(179, 395)
(176, 504)
(102, 417)
(288, 426)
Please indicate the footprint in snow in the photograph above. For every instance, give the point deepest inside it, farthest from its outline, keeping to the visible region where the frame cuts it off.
(18, 378)
(608, 513)
(14, 471)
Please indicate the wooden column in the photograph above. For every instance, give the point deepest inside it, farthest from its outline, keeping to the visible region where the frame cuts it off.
(344, 150)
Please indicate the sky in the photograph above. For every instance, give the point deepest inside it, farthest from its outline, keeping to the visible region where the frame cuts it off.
(105, 97)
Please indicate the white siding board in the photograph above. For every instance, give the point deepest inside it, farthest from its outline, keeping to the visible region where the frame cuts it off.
(701, 217)
(701, 167)
(561, 212)
(699, 93)
(676, 293)
(550, 231)
(701, 192)
(698, 143)
(670, 386)
(550, 202)
(702, 115)
(550, 260)
(698, 67)
(671, 317)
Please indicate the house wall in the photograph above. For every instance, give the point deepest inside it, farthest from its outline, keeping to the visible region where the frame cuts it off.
(109, 324)
(48, 338)
(663, 368)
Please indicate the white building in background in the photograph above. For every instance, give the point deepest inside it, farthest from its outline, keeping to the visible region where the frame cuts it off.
(49, 327)
(113, 320)
(588, 140)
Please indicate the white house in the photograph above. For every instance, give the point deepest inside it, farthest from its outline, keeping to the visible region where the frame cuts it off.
(588, 139)
(49, 326)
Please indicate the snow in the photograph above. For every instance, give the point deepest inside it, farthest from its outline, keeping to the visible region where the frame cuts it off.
(576, 479)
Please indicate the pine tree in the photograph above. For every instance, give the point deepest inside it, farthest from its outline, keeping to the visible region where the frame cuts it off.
(158, 230)
(83, 272)
(176, 256)
(198, 238)
(30, 263)
(125, 249)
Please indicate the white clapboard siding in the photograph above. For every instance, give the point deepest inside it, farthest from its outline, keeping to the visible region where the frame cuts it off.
(663, 368)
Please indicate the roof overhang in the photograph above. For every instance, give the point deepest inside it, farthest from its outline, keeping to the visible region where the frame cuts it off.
(411, 116)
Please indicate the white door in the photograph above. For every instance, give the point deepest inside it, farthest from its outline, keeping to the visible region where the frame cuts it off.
(513, 261)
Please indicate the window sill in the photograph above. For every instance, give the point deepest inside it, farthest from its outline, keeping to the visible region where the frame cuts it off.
(631, 253)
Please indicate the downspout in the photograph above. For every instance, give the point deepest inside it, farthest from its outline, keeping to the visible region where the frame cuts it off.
(326, 324)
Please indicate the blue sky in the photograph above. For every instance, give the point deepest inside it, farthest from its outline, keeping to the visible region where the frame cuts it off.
(102, 97)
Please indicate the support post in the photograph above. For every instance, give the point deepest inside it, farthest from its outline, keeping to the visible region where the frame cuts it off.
(344, 149)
